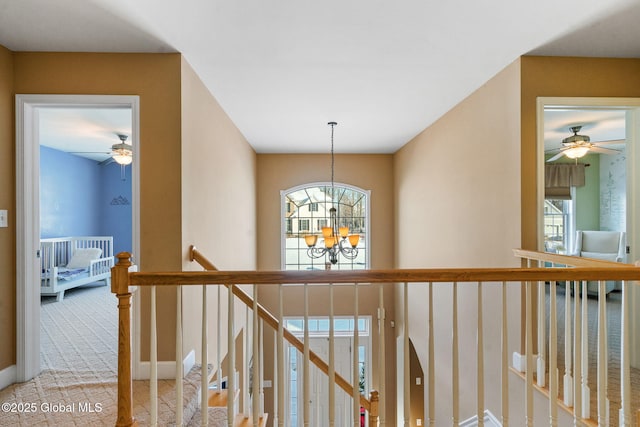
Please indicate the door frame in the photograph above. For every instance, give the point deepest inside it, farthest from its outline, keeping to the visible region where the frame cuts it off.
(632, 107)
(28, 212)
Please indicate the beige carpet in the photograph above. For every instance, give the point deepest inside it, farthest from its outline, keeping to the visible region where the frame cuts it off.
(78, 382)
(613, 319)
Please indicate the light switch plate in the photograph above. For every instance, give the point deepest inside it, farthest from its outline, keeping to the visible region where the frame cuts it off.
(3, 218)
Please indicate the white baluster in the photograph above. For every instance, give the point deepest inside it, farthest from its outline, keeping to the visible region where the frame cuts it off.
(276, 383)
(231, 357)
(553, 356)
(255, 389)
(246, 354)
(454, 360)
(204, 356)
(542, 345)
(567, 380)
(406, 372)
(382, 365)
(529, 355)
(625, 372)
(505, 359)
(153, 360)
(218, 343)
(332, 362)
(432, 373)
(306, 395)
(356, 360)
(282, 386)
(179, 358)
(603, 407)
(480, 361)
(577, 346)
(586, 392)
(261, 370)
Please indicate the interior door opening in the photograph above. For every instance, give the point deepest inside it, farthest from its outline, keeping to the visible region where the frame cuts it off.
(28, 131)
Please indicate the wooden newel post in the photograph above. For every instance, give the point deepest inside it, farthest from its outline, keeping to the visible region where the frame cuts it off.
(373, 412)
(120, 287)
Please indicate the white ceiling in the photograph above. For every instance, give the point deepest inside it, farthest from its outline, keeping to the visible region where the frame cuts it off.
(86, 132)
(282, 69)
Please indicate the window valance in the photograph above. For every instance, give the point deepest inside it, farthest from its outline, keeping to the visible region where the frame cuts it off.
(559, 178)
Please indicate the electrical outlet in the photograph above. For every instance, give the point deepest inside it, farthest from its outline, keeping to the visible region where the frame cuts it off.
(3, 218)
(418, 381)
(419, 422)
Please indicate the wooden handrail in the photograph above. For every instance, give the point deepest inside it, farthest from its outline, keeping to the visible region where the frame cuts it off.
(472, 275)
(274, 323)
(568, 260)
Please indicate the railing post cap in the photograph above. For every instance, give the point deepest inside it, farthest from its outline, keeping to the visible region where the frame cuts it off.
(124, 259)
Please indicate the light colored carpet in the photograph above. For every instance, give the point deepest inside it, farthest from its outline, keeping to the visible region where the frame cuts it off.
(613, 319)
(78, 382)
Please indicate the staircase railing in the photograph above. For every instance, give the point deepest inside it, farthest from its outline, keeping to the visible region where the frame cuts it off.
(576, 389)
(478, 278)
(274, 323)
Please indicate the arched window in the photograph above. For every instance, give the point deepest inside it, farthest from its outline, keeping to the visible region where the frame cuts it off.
(306, 209)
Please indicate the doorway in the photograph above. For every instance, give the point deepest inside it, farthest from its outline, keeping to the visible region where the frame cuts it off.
(615, 203)
(28, 109)
(318, 380)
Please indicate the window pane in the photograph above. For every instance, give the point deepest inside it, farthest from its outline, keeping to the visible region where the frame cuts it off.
(307, 211)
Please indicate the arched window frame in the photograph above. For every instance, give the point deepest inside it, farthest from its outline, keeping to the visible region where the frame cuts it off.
(283, 217)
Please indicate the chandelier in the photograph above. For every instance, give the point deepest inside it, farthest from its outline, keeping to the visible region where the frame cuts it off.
(337, 240)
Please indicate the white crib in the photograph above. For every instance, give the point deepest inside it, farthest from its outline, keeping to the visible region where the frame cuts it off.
(69, 262)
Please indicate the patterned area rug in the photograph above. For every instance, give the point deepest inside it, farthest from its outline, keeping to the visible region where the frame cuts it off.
(78, 382)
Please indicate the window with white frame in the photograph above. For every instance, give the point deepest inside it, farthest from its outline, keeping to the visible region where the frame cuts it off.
(305, 210)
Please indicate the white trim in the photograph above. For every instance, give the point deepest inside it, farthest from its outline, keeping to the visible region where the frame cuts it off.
(167, 369)
(633, 205)
(28, 213)
(8, 376)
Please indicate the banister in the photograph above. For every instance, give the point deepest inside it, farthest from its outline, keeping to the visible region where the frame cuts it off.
(273, 322)
(574, 261)
(625, 272)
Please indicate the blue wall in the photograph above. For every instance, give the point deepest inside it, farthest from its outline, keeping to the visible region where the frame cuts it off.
(76, 197)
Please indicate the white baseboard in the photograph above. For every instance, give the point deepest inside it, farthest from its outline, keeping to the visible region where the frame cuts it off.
(167, 369)
(8, 376)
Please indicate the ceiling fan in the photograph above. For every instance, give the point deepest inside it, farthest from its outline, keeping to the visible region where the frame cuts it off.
(576, 146)
(121, 153)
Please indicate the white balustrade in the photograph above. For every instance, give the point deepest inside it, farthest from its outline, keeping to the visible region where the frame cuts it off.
(153, 360)
(179, 357)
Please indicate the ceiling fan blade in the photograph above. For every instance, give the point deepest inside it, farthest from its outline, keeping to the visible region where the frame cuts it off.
(602, 150)
(610, 142)
(106, 161)
(556, 157)
(554, 150)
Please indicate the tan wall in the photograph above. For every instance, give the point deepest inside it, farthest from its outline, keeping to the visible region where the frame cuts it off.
(457, 189)
(7, 201)
(156, 79)
(563, 77)
(218, 201)
(371, 172)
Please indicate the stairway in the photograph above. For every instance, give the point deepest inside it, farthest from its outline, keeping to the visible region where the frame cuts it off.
(218, 412)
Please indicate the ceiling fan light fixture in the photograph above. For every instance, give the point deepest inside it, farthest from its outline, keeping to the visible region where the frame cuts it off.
(576, 152)
(122, 153)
